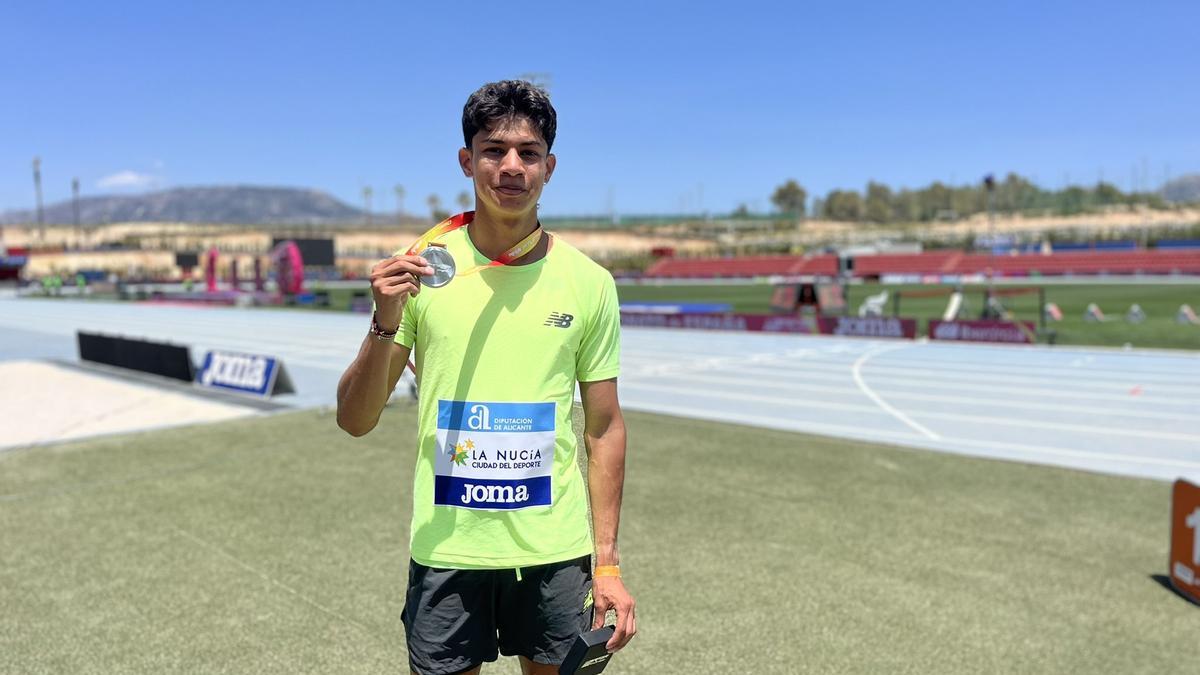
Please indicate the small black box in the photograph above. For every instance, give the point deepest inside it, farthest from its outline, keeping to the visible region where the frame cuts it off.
(588, 655)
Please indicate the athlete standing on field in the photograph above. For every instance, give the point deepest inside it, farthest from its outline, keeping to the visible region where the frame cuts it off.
(501, 549)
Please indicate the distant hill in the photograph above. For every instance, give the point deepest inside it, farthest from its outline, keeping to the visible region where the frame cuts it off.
(1183, 189)
(233, 204)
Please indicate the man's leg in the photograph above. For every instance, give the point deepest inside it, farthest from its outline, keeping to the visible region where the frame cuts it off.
(449, 620)
(540, 615)
(534, 668)
(473, 671)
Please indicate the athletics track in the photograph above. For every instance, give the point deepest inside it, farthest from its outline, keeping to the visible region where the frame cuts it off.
(1126, 412)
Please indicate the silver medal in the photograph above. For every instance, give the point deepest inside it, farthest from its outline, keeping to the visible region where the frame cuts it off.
(443, 267)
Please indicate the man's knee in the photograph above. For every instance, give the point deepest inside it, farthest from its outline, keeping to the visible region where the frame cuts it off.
(530, 667)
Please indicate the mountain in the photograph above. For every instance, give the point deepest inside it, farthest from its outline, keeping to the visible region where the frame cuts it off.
(1183, 189)
(226, 204)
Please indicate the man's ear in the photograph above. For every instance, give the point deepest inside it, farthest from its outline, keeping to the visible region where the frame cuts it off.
(464, 161)
(551, 161)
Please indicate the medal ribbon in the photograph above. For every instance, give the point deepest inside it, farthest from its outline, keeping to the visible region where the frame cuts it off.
(462, 220)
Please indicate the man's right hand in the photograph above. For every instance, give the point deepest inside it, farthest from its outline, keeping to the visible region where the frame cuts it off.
(392, 282)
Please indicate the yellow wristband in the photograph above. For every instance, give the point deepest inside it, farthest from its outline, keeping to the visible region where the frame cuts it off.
(607, 571)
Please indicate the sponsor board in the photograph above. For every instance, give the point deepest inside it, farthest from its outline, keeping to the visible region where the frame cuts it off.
(244, 373)
(982, 331)
(894, 327)
(1184, 563)
(868, 326)
(764, 323)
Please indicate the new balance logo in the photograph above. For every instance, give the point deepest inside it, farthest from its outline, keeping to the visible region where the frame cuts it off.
(559, 320)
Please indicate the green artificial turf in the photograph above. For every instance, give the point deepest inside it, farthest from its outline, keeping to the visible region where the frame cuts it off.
(279, 545)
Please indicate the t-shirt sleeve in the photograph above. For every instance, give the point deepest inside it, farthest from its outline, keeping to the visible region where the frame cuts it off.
(406, 335)
(600, 350)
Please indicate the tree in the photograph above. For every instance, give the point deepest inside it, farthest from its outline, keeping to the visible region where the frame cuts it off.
(878, 208)
(1107, 193)
(934, 201)
(464, 200)
(790, 198)
(843, 205)
(435, 206)
(399, 200)
(905, 207)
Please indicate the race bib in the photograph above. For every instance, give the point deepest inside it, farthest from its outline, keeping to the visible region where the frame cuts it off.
(494, 456)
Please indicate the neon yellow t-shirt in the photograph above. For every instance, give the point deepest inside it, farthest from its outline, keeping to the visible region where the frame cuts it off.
(498, 354)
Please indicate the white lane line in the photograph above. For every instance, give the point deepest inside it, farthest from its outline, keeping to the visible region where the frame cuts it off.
(856, 371)
(1009, 422)
(1179, 376)
(1020, 385)
(1149, 397)
(732, 380)
(1088, 459)
(865, 433)
(1079, 454)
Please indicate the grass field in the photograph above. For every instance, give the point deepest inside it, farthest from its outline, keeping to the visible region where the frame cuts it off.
(1159, 301)
(279, 544)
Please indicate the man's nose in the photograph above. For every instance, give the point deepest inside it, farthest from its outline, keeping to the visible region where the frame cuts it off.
(511, 164)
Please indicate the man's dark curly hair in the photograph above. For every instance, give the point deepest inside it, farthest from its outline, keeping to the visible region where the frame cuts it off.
(507, 100)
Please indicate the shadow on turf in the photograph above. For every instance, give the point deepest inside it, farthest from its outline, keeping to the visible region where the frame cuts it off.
(1165, 581)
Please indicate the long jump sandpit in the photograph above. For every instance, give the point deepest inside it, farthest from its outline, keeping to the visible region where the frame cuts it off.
(44, 402)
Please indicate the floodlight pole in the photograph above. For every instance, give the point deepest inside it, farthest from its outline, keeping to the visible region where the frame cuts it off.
(75, 199)
(37, 190)
(989, 182)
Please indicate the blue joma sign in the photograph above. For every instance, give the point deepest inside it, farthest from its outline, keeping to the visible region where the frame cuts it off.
(246, 373)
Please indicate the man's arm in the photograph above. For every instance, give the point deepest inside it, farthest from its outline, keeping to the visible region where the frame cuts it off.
(367, 383)
(604, 438)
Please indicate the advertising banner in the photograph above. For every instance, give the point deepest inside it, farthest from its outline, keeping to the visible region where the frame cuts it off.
(244, 373)
(868, 326)
(763, 323)
(1022, 332)
(1184, 565)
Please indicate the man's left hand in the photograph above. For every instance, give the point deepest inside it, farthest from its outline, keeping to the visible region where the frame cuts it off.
(609, 593)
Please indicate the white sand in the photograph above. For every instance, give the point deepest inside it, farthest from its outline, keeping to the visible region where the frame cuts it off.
(45, 403)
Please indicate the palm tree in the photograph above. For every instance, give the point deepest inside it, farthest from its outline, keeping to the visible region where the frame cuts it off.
(464, 200)
(435, 203)
(399, 201)
(367, 192)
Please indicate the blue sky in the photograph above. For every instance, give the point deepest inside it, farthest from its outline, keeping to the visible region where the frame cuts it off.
(662, 108)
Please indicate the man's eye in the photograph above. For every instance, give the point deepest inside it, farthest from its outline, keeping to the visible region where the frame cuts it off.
(531, 154)
(492, 151)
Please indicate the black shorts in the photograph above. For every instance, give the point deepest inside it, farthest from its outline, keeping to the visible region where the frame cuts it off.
(455, 619)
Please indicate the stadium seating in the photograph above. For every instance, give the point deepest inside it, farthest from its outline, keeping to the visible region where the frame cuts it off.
(749, 266)
(1094, 262)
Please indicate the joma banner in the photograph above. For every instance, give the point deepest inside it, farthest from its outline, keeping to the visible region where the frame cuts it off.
(868, 326)
(762, 323)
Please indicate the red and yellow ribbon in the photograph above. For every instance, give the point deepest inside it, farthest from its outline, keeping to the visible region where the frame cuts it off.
(462, 220)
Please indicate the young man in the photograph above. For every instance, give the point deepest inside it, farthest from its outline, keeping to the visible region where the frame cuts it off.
(501, 550)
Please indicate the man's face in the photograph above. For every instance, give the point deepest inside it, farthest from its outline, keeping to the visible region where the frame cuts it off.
(509, 164)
